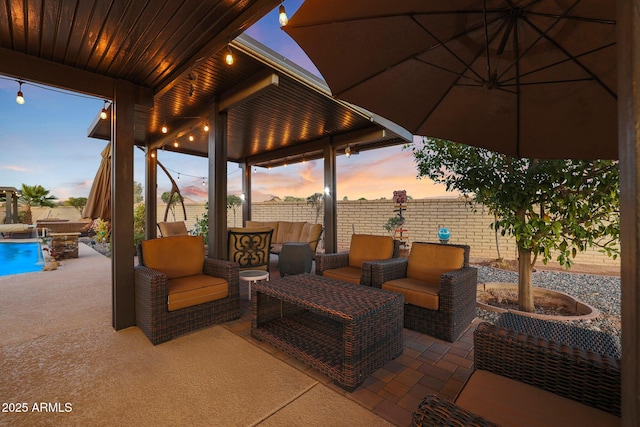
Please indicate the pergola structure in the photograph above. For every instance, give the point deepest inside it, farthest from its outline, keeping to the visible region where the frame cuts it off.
(134, 52)
(11, 196)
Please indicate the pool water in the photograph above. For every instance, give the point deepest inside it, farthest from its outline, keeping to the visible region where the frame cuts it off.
(16, 258)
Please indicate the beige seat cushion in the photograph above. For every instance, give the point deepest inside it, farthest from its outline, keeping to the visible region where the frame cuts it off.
(196, 289)
(366, 247)
(261, 224)
(177, 256)
(346, 274)
(415, 292)
(311, 234)
(511, 403)
(169, 229)
(428, 261)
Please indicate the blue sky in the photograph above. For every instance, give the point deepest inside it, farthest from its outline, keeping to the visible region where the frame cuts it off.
(44, 141)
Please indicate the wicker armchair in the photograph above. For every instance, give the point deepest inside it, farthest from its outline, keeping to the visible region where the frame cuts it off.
(440, 300)
(195, 307)
(351, 266)
(571, 373)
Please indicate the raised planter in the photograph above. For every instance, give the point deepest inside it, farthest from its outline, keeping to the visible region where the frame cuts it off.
(582, 310)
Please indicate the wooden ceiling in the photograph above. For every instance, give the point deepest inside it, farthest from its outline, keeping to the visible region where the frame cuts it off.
(172, 51)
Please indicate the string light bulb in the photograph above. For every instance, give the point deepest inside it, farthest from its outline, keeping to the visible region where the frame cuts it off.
(164, 128)
(203, 183)
(282, 16)
(206, 127)
(229, 56)
(103, 113)
(19, 95)
(347, 151)
(175, 144)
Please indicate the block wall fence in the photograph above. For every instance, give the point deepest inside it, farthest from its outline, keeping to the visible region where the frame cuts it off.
(423, 218)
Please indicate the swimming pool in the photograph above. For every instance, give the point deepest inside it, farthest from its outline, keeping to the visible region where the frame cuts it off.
(23, 257)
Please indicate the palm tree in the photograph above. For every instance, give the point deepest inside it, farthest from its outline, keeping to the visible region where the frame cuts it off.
(35, 195)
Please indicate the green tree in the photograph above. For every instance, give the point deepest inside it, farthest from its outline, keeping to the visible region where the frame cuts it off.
(293, 199)
(233, 203)
(137, 192)
(172, 203)
(77, 202)
(138, 223)
(35, 195)
(551, 207)
(315, 201)
(201, 227)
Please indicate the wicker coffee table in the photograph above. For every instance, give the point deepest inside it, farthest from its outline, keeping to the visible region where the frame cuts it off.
(343, 330)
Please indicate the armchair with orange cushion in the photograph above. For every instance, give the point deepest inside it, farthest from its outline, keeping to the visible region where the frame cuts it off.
(178, 290)
(438, 285)
(350, 266)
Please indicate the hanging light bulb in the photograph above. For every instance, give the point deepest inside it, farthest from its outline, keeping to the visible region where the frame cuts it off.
(203, 183)
(164, 128)
(19, 96)
(191, 137)
(103, 113)
(153, 155)
(206, 127)
(178, 177)
(229, 57)
(175, 144)
(282, 16)
(347, 151)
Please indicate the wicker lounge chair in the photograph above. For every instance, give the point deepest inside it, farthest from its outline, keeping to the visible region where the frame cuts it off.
(178, 290)
(351, 266)
(438, 285)
(527, 380)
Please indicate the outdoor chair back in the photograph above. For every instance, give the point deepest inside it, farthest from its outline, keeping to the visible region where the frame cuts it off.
(250, 247)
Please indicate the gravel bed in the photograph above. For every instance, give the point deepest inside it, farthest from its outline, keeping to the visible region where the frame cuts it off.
(601, 292)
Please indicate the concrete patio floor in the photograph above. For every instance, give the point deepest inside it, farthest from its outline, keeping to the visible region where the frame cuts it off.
(393, 392)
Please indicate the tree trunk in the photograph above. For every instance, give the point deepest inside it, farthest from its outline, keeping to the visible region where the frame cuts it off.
(525, 288)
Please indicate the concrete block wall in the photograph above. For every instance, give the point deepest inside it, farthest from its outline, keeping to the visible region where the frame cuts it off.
(468, 224)
(423, 217)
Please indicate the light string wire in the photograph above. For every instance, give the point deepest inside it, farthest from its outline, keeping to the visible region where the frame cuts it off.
(50, 89)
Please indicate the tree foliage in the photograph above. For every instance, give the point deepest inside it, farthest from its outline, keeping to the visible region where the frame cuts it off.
(233, 203)
(77, 202)
(35, 195)
(315, 201)
(137, 192)
(553, 208)
(171, 201)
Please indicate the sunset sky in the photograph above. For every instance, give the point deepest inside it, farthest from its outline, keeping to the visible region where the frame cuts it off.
(45, 142)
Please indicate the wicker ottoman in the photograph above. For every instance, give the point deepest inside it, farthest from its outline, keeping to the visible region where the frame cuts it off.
(343, 330)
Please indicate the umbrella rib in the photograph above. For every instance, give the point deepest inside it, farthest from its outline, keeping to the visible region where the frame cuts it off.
(574, 59)
(537, 70)
(440, 43)
(541, 35)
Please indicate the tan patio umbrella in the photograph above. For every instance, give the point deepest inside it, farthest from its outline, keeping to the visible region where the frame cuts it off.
(521, 77)
(99, 200)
